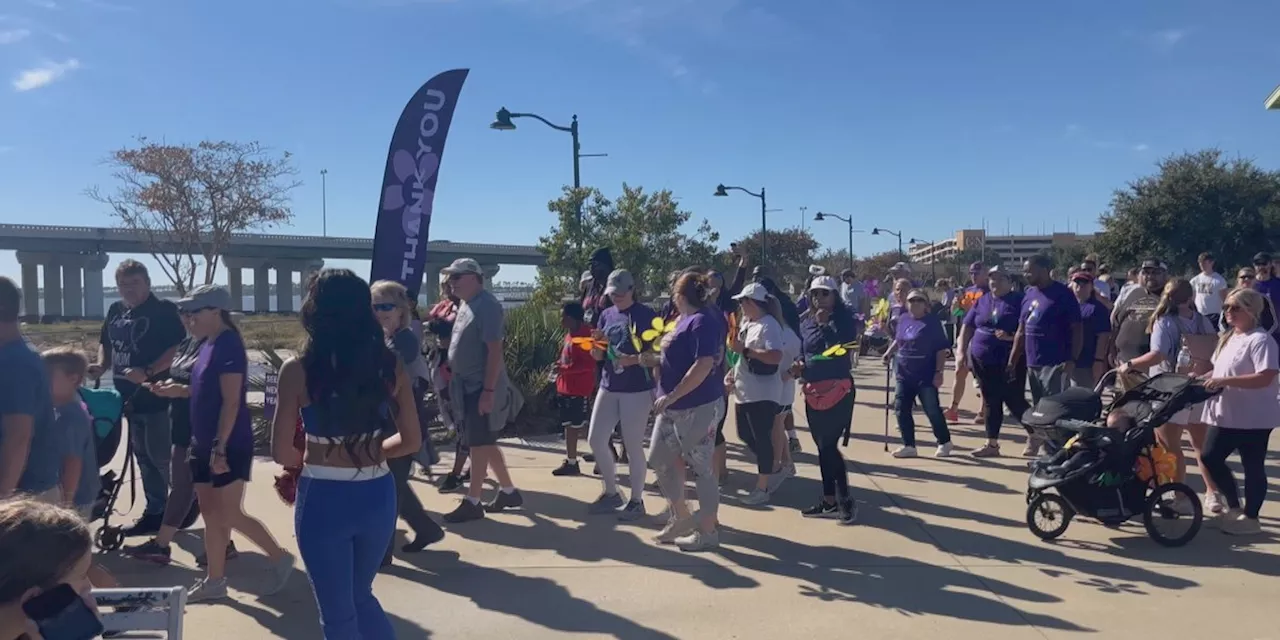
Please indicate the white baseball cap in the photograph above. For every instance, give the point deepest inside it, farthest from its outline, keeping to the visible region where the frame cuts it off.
(754, 291)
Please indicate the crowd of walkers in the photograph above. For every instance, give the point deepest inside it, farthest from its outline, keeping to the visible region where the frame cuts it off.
(350, 418)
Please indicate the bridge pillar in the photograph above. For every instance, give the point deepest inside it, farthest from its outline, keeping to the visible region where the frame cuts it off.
(30, 286)
(235, 286)
(94, 293)
(52, 288)
(308, 271)
(72, 289)
(284, 287)
(490, 270)
(261, 288)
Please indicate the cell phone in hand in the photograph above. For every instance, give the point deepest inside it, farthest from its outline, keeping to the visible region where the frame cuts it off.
(61, 614)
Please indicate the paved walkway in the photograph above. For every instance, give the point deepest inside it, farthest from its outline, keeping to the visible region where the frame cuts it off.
(941, 550)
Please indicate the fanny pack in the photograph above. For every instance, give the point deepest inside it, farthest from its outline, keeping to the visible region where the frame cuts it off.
(824, 394)
(761, 369)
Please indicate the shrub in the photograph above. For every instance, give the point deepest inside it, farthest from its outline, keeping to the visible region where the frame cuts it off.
(533, 342)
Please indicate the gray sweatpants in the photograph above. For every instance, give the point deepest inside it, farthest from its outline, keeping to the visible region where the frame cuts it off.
(631, 410)
(687, 436)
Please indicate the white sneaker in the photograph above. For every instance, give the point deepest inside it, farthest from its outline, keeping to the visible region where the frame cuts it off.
(1214, 503)
(904, 452)
(698, 540)
(1033, 447)
(944, 451)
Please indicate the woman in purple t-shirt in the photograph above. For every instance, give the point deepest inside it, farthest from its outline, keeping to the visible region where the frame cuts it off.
(690, 401)
(986, 337)
(919, 350)
(221, 455)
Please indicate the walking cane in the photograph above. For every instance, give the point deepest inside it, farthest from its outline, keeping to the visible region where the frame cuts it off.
(887, 375)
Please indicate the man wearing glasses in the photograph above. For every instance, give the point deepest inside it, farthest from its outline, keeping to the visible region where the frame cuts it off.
(1267, 282)
(1133, 310)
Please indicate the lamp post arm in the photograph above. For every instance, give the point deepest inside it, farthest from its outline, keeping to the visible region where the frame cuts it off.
(747, 191)
(543, 121)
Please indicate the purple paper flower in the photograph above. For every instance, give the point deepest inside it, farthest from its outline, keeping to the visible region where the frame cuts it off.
(411, 187)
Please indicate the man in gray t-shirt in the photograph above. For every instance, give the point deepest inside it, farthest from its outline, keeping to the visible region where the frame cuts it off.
(483, 398)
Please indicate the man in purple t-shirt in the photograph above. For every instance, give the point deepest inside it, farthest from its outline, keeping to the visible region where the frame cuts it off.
(1050, 334)
(1267, 281)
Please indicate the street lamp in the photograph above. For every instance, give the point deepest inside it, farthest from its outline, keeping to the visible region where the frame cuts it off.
(503, 122)
(324, 201)
(933, 259)
(897, 234)
(722, 191)
(847, 220)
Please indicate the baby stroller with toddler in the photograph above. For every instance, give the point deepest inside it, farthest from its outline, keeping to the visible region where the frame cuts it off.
(1107, 464)
(106, 409)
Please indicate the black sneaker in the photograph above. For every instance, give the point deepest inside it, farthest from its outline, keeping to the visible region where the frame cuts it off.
(151, 551)
(466, 512)
(421, 541)
(588, 458)
(147, 525)
(794, 444)
(567, 468)
(848, 511)
(505, 500)
(823, 509)
(202, 560)
(450, 483)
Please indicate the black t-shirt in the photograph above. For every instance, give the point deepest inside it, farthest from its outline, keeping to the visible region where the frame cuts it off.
(136, 337)
(184, 360)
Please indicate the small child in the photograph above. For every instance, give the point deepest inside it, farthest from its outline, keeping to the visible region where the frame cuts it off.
(575, 383)
(80, 484)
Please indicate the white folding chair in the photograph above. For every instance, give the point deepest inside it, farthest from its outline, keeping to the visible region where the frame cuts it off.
(143, 609)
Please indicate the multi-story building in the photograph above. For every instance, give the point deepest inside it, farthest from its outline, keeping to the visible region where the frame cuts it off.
(1011, 249)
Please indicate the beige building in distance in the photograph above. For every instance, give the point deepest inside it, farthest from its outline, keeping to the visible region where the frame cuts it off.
(1012, 249)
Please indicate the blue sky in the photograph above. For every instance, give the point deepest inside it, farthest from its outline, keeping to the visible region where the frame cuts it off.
(925, 116)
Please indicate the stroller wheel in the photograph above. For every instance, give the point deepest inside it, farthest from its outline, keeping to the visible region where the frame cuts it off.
(109, 538)
(1048, 516)
(192, 516)
(1173, 515)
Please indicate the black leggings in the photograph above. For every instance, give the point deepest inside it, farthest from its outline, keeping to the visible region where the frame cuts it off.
(724, 415)
(1221, 442)
(998, 392)
(755, 428)
(826, 426)
(408, 507)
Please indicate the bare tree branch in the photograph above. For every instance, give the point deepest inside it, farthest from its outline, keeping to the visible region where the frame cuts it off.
(188, 201)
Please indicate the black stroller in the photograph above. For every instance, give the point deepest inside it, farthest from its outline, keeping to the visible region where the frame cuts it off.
(1112, 474)
(106, 407)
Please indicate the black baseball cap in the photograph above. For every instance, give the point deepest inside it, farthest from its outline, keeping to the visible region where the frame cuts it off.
(1262, 257)
(1154, 263)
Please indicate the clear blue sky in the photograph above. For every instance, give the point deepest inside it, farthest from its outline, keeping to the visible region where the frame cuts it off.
(925, 116)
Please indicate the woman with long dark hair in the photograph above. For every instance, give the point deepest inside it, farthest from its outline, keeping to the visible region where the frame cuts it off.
(392, 309)
(827, 383)
(358, 411)
(221, 452)
(689, 404)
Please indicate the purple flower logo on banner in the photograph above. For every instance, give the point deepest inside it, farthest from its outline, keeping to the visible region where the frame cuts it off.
(410, 192)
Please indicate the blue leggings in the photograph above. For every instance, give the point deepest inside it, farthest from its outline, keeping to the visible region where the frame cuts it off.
(343, 530)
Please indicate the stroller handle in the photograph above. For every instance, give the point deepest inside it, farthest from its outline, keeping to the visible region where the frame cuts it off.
(1109, 379)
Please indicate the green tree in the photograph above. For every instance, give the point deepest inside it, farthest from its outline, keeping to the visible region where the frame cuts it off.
(791, 251)
(642, 230)
(834, 260)
(1200, 201)
(956, 268)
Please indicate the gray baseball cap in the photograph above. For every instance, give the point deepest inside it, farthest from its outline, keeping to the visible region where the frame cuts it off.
(619, 280)
(463, 265)
(206, 296)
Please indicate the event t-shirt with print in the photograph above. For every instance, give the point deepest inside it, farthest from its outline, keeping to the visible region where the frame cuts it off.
(1095, 320)
(919, 341)
(698, 335)
(224, 354)
(136, 337)
(989, 314)
(618, 326)
(1048, 314)
(1209, 288)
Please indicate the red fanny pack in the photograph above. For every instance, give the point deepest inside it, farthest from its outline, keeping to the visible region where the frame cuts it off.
(827, 393)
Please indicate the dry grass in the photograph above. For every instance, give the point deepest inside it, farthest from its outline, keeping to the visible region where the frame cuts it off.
(265, 332)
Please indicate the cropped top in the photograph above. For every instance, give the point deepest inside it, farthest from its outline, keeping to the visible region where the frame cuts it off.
(320, 425)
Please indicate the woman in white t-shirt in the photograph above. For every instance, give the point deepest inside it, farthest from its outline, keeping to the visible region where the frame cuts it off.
(1242, 417)
(757, 384)
(786, 397)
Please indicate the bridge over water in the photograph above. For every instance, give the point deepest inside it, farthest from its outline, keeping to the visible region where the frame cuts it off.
(73, 259)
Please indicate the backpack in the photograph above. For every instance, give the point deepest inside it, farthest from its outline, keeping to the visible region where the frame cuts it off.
(1132, 338)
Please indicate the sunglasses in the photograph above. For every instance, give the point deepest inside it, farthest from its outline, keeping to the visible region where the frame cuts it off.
(192, 312)
(1262, 264)
(384, 306)
(1244, 276)
(1232, 307)
(821, 293)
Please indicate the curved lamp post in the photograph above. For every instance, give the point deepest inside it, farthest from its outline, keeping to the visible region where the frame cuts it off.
(897, 234)
(933, 259)
(722, 191)
(847, 220)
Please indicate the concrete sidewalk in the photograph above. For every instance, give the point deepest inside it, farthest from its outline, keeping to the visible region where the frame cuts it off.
(941, 549)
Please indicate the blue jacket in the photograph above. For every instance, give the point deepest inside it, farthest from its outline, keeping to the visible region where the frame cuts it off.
(816, 339)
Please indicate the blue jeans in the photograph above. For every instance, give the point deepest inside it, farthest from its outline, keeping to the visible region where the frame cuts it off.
(907, 394)
(151, 436)
(343, 530)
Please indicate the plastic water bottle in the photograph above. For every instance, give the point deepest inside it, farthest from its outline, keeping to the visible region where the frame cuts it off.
(1184, 359)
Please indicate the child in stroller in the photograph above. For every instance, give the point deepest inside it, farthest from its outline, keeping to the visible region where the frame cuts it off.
(1107, 464)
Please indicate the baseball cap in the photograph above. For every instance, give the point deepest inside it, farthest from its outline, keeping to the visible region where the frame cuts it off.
(619, 280)
(917, 294)
(817, 270)
(1262, 257)
(1080, 275)
(824, 282)
(901, 266)
(754, 291)
(1153, 263)
(206, 296)
(461, 266)
(977, 267)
